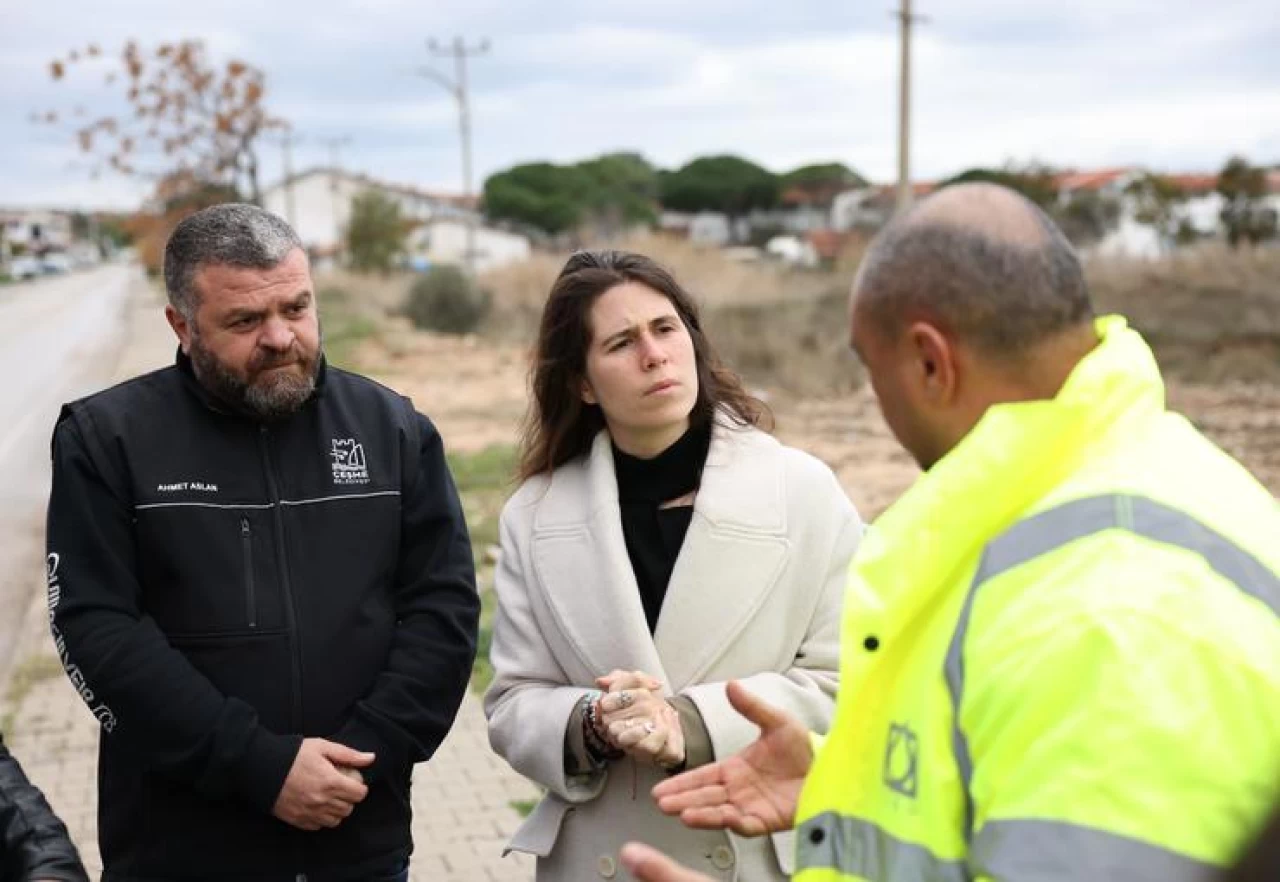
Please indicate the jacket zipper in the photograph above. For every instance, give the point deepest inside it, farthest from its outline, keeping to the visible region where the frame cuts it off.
(290, 610)
(246, 543)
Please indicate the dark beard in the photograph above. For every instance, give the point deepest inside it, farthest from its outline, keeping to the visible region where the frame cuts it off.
(276, 400)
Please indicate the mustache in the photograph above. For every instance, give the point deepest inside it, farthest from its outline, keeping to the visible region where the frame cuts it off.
(268, 358)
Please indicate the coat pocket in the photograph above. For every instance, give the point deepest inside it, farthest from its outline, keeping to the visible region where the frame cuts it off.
(539, 832)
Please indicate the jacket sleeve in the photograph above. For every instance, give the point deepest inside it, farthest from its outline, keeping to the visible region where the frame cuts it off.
(531, 704)
(148, 698)
(1117, 743)
(416, 697)
(807, 689)
(34, 844)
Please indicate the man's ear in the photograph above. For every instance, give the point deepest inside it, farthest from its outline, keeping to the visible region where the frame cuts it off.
(180, 326)
(935, 357)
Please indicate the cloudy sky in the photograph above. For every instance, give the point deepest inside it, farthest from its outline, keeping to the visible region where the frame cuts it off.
(1171, 84)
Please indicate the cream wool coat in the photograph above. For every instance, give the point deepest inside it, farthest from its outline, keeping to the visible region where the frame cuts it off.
(755, 595)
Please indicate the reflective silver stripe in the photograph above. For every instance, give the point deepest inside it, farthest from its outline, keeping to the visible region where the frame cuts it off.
(1016, 850)
(859, 848)
(235, 506)
(341, 497)
(1051, 851)
(1049, 530)
(1052, 529)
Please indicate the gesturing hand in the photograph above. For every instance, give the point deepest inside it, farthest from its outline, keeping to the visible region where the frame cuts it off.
(752, 792)
(650, 865)
(324, 785)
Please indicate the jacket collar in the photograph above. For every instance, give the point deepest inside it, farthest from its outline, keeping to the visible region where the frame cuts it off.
(192, 384)
(1014, 457)
(737, 534)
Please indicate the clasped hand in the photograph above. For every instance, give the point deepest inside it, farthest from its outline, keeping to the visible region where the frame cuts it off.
(635, 718)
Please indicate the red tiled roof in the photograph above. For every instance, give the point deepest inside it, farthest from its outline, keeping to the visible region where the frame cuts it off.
(1193, 183)
(1088, 180)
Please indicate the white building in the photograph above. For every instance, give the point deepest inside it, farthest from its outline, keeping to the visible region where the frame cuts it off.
(444, 240)
(35, 230)
(317, 204)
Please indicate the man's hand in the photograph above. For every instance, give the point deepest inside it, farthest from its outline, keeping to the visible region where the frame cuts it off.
(753, 792)
(650, 865)
(323, 785)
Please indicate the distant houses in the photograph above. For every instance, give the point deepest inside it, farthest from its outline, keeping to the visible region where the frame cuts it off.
(317, 203)
(809, 231)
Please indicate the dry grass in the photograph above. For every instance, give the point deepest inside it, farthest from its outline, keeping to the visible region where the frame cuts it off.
(1212, 314)
(714, 280)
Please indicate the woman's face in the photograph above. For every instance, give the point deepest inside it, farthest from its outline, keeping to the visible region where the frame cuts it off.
(640, 368)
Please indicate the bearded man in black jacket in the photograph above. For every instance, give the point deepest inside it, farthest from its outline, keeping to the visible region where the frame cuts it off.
(260, 582)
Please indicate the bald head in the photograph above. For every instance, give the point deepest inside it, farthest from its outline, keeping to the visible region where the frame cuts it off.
(981, 262)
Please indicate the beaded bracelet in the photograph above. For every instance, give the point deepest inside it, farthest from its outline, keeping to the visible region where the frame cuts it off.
(597, 745)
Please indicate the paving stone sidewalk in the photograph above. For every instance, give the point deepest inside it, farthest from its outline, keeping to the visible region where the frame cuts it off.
(461, 799)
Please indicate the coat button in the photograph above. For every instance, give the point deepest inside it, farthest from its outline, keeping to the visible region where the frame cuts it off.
(816, 835)
(722, 857)
(607, 867)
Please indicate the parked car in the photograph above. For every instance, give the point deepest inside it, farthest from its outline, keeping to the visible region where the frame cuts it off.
(24, 267)
(55, 263)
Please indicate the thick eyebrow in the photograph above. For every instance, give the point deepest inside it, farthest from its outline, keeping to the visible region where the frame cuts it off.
(238, 314)
(302, 298)
(630, 331)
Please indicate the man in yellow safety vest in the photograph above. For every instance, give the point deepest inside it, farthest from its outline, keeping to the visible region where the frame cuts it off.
(1061, 649)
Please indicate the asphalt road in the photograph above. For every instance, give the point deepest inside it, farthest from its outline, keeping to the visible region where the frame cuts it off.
(60, 338)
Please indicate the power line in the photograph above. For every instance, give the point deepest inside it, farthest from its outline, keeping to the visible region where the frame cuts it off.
(287, 138)
(335, 168)
(457, 86)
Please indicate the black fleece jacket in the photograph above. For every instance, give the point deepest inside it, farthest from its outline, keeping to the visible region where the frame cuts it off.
(221, 588)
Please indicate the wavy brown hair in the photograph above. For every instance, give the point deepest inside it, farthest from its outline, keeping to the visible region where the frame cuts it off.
(559, 426)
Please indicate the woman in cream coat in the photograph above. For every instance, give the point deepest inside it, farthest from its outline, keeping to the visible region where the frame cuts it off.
(659, 546)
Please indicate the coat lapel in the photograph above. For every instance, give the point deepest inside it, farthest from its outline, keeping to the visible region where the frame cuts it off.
(731, 558)
(581, 561)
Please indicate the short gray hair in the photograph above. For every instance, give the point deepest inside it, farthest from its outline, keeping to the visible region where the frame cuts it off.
(232, 234)
(1002, 296)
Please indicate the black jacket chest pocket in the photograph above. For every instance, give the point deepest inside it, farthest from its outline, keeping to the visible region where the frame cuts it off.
(208, 571)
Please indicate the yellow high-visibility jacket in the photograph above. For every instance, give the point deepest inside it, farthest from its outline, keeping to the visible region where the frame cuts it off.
(1061, 653)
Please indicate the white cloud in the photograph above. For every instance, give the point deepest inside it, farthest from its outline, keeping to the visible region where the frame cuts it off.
(1176, 84)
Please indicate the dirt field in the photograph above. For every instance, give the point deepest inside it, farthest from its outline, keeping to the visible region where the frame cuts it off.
(474, 391)
(1213, 318)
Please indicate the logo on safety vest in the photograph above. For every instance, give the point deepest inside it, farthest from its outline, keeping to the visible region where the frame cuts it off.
(902, 760)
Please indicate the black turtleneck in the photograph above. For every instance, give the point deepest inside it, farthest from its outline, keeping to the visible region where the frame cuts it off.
(654, 534)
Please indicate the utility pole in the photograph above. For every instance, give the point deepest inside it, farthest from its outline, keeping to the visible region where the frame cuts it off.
(334, 145)
(457, 87)
(906, 20)
(287, 140)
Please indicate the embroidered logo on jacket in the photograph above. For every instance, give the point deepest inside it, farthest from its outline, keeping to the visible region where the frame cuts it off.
(902, 760)
(349, 465)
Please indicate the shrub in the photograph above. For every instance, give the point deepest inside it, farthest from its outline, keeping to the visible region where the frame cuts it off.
(445, 299)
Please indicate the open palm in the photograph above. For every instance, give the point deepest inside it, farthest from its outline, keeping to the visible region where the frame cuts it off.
(753, 792)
